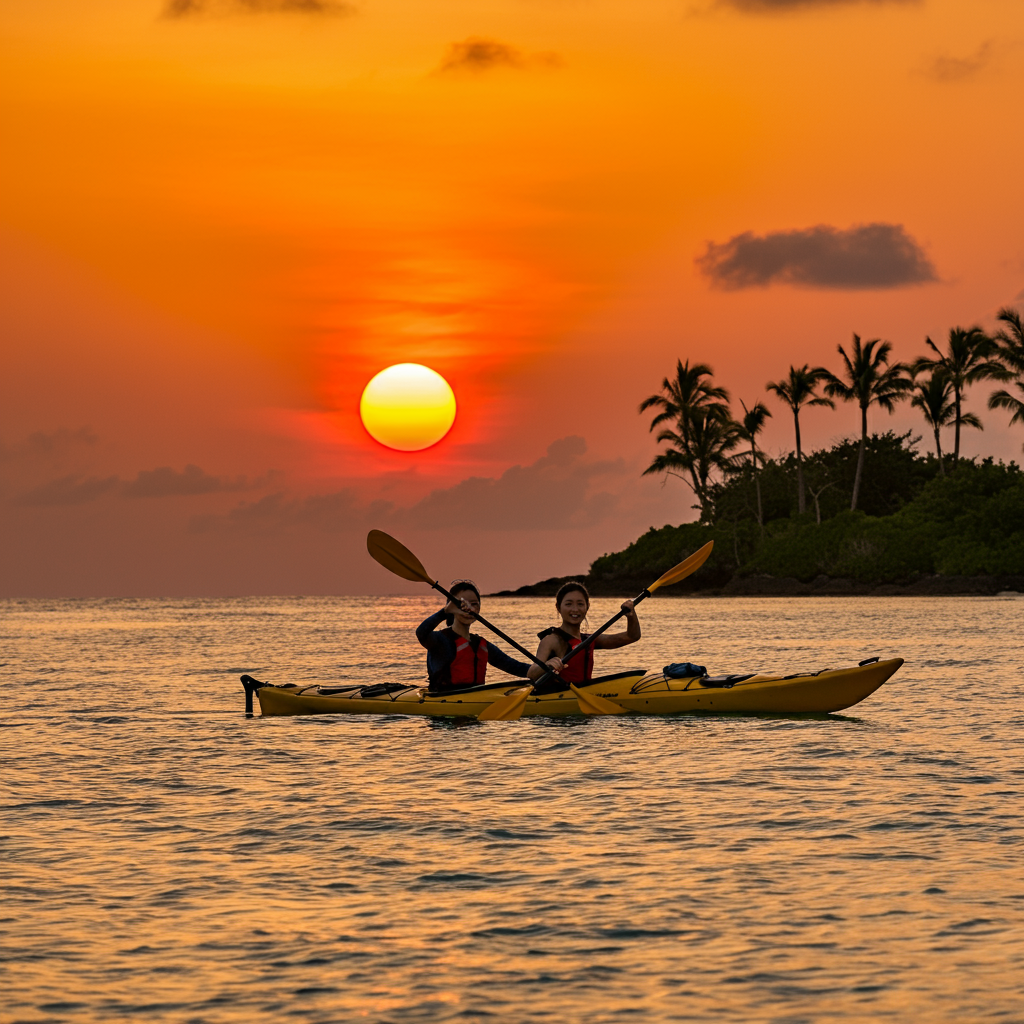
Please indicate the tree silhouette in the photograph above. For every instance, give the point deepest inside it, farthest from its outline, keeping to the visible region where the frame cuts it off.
(870, 380)
(1002, 399)
(687, 391)
(967, 359)
(932, 397)
(797, 390)
(703, 447)
(1010, 340)
(749, 427)
(1010, 352)
(703, 431)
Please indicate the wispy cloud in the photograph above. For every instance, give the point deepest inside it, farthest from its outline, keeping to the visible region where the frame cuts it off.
(165, 482)
(162, 482)
(48, 446)
(69, 490)
(562, 490)
(867, 256)
(555, 492)
(476, 55)
(946, 68)
(193, 8)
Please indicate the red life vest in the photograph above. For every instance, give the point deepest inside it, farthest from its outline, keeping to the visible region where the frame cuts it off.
(469, 666)
(581, 668)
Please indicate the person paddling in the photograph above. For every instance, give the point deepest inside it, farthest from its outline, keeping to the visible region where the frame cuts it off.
(457, 658)
(573, 602)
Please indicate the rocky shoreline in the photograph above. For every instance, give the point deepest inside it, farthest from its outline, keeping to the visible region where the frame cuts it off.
(785, 586)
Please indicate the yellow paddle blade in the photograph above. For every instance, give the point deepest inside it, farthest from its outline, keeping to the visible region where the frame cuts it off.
(592, 704)
(395, 557)
(507, 708)
(684, 568)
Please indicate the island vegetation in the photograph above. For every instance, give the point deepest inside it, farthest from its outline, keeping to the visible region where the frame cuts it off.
(873, 513)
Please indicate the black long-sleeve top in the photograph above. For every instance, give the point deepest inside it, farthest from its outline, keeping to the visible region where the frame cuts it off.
(441, 652)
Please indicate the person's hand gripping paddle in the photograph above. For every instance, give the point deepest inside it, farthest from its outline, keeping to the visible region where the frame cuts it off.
(397, 558)
(511, 707)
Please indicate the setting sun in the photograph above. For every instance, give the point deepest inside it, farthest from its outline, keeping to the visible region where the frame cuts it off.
(408, 407)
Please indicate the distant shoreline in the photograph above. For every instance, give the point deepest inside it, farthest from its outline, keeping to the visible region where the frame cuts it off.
(786, 586)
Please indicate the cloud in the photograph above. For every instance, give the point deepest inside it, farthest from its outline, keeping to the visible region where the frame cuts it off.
(163, 482)
(960, 69)
(560, 491)
(192, 8)
(863, 257)
(769, 6)
(60, 440)
(477, 55)
(551, 493)
(55, 444)
(69, 490)
(331, 513)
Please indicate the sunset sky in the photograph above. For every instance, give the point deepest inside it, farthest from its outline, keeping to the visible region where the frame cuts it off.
(221, 218)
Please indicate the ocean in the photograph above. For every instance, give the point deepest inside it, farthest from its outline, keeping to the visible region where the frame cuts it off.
(167, 859)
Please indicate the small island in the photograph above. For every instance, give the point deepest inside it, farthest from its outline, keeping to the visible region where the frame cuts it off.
(917, 532)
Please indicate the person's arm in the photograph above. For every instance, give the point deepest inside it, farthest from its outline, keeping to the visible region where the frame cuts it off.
(499, 659)
(425, 630)
(546, 653)
(607, 641)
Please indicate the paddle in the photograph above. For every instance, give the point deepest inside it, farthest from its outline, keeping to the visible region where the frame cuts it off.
(511, 707)
(397, 558)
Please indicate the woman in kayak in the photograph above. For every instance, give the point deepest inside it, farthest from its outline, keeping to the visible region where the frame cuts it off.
(573, 602)
(456, 657)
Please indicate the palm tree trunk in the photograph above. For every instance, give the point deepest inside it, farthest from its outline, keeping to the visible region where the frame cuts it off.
(860, 455)
(801, 498)
(757, 483)
(697, 489)
(938, 449)
(956, 436)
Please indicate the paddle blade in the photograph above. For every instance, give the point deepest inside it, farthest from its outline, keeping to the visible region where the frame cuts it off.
(395, 557)
(685, 568)
(592, 704)
(507, 708)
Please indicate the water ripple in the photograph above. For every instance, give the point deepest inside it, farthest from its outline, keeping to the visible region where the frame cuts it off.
(168, 860)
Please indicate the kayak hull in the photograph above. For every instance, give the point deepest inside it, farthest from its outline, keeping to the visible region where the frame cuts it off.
(645, 693)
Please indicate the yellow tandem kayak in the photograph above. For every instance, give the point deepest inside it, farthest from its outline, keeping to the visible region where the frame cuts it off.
(638, 691)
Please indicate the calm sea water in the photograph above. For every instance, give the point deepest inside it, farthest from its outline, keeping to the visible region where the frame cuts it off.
(166, 859)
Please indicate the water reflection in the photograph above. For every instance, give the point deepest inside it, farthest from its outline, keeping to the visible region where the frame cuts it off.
(168, 860)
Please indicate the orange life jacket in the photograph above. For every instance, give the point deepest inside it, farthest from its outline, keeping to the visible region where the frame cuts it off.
(469, 666)
(581, 668)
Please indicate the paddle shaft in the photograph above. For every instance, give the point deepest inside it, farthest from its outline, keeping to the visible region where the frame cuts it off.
(590, 639)
(494, 629)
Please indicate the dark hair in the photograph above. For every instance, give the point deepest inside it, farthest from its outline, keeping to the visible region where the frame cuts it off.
(461, 585)
(568, 588)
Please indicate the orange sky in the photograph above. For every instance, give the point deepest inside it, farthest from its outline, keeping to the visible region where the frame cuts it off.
(217, 226)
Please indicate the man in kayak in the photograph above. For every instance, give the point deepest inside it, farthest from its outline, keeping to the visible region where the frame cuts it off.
(572, 603)
(458, 658)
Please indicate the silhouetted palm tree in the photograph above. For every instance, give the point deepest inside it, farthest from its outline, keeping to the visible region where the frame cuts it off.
(700, 448)
(932, 397)
(1010, 352)
(686, 392)
(699, 410)
(870, 380)
(1002, 399)
(749, 427)
(1010, 340)
(968, 358)
(797, 390)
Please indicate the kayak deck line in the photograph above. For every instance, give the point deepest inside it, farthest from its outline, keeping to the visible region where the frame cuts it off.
(637, 691)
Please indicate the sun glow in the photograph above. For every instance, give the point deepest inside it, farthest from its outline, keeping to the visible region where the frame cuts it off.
(408, 407)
